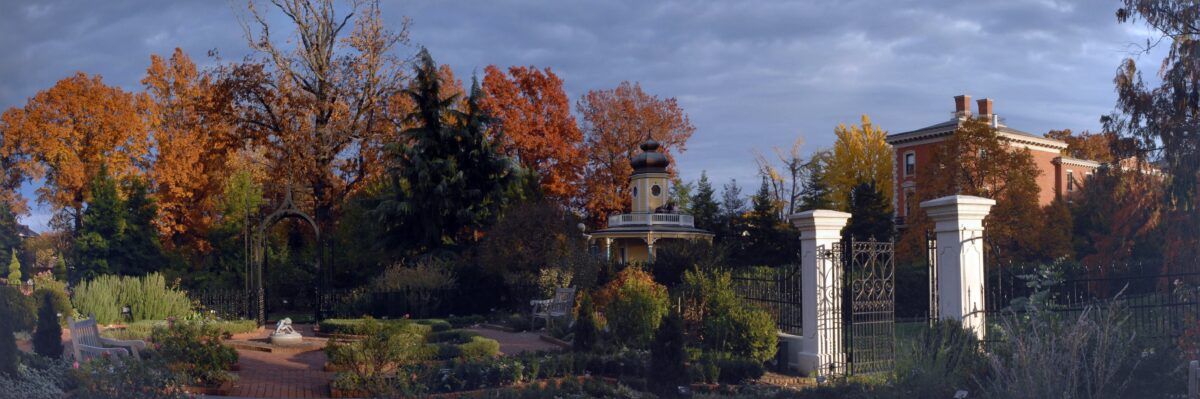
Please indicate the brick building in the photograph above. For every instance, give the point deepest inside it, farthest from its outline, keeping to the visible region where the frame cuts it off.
(913, 149)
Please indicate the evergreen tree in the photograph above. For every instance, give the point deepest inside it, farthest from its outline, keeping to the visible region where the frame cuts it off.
(681, 195)
(667, 356)
(102, 228)
(14, 270)
(585, 326)
(732, 202)
(47, 339)
(762, 227)
(140, 251)
(60, 268)
(8, 342)
(816, 192)
(870, 214)
(704, 206)
(10, 237)
(730, 224)
(447, 180)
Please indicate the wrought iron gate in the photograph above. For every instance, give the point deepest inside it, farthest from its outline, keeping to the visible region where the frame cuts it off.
(830, 335)
(860, 294)
(872, 281)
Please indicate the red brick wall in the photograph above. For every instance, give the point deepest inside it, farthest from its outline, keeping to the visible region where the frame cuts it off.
(1048, 180)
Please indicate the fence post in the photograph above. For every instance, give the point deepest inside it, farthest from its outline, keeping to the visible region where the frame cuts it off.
(1194, 380)
(820, 345)
(958, 223)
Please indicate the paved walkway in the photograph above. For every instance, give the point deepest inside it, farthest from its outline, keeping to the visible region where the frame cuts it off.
(516, 343)
(302, 375)
(281, 375)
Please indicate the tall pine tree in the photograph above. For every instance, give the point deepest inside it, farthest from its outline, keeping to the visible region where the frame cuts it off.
(102, 229)
(704, 204)
(448, 179)
(140, 251)
(816, 192)
(870, 214)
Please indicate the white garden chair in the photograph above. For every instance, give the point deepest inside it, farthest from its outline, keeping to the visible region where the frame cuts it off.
(560, 305)
(87, 342)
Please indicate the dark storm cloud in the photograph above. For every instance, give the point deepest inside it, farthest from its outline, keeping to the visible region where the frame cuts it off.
(751, 75)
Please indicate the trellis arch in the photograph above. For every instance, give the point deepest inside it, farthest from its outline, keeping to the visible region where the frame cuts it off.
(287, 209)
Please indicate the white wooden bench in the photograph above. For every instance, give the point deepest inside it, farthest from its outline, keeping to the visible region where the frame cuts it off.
(87, 342)
(561, 305)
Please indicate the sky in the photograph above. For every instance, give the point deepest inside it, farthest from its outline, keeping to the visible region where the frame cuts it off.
(751, 75)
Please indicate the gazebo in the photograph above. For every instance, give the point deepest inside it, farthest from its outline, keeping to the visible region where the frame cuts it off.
(631, 237)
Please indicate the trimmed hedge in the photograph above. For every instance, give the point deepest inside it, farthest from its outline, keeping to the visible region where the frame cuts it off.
(355, 326)
(457, 337)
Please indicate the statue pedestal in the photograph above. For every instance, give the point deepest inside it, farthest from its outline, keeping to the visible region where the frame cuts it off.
(291, 338)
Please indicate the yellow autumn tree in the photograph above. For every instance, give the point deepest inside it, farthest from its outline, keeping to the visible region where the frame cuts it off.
(861, 154)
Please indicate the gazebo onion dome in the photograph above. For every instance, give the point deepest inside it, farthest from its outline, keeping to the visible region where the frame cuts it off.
(650, 160)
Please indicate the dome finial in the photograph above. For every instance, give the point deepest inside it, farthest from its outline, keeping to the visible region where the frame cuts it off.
(650, 160)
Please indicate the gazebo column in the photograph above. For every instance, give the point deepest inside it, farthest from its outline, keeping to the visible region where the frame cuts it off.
(650, 239)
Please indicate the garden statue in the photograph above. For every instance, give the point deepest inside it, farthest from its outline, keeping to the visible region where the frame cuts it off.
(284, 333)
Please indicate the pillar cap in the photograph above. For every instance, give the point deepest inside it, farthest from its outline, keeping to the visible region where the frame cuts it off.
(958, 207)
(819, 218)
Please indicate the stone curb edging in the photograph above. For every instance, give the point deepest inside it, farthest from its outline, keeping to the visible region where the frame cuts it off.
(560, 343)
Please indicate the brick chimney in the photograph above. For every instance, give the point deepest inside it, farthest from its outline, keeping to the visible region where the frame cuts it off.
(985, 107)
(962, 105)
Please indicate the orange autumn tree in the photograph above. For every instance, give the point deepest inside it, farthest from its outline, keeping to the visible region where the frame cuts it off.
(193, 137)
(534, 115)
(976, 161)
(1090, 146)
(14, 160)
(615, 122)
(73, 128)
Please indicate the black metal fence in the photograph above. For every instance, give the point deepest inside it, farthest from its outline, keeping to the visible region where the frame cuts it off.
(391, 304)
(225, 304)
(1160, 303)
(776, 289)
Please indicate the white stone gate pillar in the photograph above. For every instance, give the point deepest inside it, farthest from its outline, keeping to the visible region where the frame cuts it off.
(958, 223)
(822, 343)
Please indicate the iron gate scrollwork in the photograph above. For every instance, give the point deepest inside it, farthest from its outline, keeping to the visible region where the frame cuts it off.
(830, 335)
(872, 281)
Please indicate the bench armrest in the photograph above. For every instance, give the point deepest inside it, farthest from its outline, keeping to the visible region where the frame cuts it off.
(132, 344)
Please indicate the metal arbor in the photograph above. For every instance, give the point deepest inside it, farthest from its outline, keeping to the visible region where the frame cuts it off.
(287, 209)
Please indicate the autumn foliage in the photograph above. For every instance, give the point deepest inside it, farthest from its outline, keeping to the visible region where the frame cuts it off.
(69, 131)
(614, 123)
(977, 161)
(538, 129)
(194, 136)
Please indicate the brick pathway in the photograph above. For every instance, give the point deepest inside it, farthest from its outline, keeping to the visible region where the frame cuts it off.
(281, 375)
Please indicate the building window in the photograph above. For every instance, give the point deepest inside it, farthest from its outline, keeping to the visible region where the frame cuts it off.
(1070, 181)
(634, 191)
(908, 199)
(656, 190)
(910, 164)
